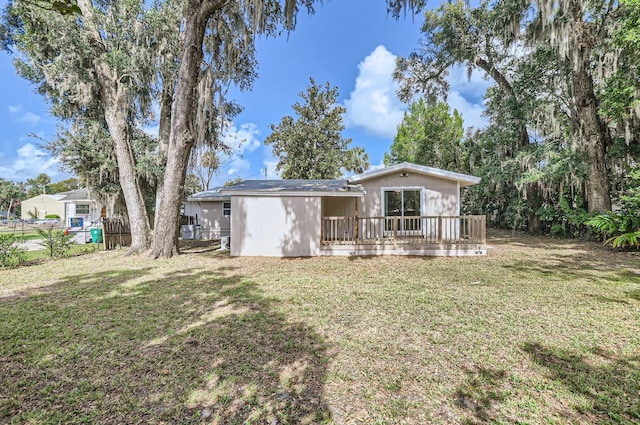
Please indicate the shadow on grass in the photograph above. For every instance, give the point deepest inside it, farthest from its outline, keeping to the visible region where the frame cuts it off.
(567, 268)
(609, 384)
(635, 295)
(479, 394)
(130, 347)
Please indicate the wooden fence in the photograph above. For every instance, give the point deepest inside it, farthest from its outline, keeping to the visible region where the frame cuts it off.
(115, 233)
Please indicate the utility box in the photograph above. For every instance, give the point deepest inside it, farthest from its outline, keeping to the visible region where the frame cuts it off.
(188, 232)
(225, 242)
(96, 235)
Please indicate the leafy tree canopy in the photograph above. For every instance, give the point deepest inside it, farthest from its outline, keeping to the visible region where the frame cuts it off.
(429, 135)
(312, 146)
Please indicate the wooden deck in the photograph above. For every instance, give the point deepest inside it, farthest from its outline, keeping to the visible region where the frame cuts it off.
(419, 235)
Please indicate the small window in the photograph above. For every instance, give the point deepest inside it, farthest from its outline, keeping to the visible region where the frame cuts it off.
(82, 209)
(226, 209)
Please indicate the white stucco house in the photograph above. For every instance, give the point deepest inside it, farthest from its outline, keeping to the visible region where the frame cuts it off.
(76, 208)
(405, 209)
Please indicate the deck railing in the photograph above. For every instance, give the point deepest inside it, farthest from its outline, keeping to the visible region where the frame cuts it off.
(469, 229)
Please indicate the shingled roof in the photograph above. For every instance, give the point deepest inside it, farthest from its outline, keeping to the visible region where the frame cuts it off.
(294, 187)
(209, 195)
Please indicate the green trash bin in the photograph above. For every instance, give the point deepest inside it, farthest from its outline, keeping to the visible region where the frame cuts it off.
(96, 235)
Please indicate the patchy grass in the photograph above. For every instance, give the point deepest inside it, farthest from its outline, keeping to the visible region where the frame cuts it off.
(539, 332)
(22, 233)
(38, 257)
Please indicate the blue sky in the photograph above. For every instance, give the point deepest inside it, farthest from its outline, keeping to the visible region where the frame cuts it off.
(352, 44)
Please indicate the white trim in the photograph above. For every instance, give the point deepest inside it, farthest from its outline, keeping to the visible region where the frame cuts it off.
(218, 199)
(458, 199)
(294, 193)
(420, 189)
(465, 179)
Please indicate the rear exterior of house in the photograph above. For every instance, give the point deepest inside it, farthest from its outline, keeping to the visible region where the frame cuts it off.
(282, 218)
(405, 209)
(211, 211)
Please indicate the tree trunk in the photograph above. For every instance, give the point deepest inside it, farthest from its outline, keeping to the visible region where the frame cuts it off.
(595, 136)
(115, 106)
(136, 210)
(592, 132)
(182, 136)
(534, 224)
(164, 134)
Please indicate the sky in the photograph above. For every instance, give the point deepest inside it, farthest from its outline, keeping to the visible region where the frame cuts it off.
(352, 44)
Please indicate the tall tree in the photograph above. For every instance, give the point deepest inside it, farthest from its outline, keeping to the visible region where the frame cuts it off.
(65, 185)
(312, 146)
(264, 16)
(429, 135)
(93, 66)
(498, 37)
(247, 19)
(120, 60)
(11, 194)
(38, 185)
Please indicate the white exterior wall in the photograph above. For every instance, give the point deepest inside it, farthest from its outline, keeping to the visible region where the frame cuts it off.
(210, 216)
(439, 196)
(287, 226)
(87, 219)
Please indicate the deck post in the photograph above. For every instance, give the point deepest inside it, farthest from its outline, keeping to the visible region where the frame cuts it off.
(356, 235)
(483, 228)
(396, 221)
(439, 229)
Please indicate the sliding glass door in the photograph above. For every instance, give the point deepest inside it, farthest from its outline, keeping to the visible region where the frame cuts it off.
(404, 203)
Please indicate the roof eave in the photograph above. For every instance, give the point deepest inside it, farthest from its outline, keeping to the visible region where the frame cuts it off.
(292, 193)
(464, 179)
(219, 198)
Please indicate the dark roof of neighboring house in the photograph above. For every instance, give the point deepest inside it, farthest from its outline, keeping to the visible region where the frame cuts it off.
(209, 195)
(295, 187)
(75, 195)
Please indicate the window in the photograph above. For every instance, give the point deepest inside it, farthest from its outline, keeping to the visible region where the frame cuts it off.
(82, 209)
(402, 203)
(226, 209)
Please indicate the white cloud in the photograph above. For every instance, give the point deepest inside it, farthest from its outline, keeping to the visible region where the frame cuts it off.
(243, 139)
(270, 162)
(29, 118)
(237, 165)
(376, 167)
(29, 162)
(373, 104)
(471, 112)
(467, 96)
(14, 108)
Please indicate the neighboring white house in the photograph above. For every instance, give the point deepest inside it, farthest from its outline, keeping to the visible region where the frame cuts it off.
(404, 209)
(75, 208)
(212, 211)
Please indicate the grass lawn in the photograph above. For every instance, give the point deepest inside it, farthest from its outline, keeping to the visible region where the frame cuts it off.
(25, 234)
(539, 331)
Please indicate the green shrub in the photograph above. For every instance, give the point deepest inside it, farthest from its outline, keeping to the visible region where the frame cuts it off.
(56, 216)
(622, 230)
(55, 242)
(11, 255)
